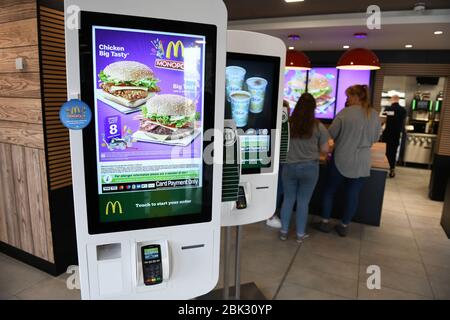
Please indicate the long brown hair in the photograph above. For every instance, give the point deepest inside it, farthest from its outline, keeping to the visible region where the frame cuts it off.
(362, 92)
(303, 118)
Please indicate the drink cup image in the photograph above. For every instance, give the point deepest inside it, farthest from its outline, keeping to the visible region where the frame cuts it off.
(257, 88)
(234, 79)
(240, 103)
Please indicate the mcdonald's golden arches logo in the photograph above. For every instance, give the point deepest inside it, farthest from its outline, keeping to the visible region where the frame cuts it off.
(75, 110)
(175, 48)
(113, 206)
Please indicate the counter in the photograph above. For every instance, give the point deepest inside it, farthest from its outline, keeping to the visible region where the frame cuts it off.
(372, 194)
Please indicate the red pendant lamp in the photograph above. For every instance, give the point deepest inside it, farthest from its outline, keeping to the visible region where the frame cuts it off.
(359, 59)
(297, 60)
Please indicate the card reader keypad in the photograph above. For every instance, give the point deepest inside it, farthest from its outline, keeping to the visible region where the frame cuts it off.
(152, 271)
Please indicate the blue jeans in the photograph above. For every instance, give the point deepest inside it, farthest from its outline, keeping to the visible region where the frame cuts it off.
(299, 181)
(352, 189)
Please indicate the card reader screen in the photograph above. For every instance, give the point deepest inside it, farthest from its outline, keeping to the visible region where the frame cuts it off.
(152, 253)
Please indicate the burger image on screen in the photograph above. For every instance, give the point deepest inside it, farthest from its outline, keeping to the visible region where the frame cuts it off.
(169, 116)
(128, 83)
(321, 90)
(295, 88)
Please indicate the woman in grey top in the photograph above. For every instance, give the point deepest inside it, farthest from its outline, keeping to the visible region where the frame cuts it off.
(301, 171)
(354, 130)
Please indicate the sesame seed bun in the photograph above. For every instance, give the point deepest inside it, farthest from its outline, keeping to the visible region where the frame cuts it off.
(128, 71)
(170, 105)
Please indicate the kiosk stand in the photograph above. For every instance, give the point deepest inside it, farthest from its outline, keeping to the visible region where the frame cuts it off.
(147, 205)
(254, 93)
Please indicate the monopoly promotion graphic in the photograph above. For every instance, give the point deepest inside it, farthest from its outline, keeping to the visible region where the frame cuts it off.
(149, 116)
(75, 114)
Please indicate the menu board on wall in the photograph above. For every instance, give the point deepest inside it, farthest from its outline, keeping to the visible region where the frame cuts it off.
(327, 85)
(348, 78)
(322, 83)
(294, 86)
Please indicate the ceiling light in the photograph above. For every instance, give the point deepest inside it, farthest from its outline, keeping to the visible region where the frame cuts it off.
(438, 32)
(293, 1)
(293, 37)
(346, 47)
(359, 59)
(360, 35)
(297, 60)
(408, 46)
(291, 48)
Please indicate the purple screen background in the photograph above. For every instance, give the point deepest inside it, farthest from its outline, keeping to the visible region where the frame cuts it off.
(348, 78)
(140, 49)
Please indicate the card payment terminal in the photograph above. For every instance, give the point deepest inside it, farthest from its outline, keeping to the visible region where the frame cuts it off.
(151, 264)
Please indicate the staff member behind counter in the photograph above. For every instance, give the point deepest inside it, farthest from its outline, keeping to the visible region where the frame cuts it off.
(395, 124)
(354, 130)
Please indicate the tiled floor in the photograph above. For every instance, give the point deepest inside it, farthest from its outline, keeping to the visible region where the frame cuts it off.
(410, 247)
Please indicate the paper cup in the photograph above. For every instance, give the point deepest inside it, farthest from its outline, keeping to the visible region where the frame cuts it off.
(257, 88)
(234, 79)
(240, 103)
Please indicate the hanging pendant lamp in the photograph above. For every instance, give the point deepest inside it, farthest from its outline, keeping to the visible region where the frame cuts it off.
(297, 60)
(359, 59)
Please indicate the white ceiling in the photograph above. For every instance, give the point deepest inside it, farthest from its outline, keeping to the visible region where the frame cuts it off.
(331, 32)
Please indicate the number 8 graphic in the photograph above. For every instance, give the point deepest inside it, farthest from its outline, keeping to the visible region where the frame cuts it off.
(113, 129)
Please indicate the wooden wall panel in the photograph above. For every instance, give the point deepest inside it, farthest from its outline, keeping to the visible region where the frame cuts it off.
(20, 85)
(55, 94)
(21, 110)
(29, 54)
(22, 201)
(20, 33)
(8, 205)
(23, 134)
(46, 207)
(443, 147)
(13, 10)
(36, 195)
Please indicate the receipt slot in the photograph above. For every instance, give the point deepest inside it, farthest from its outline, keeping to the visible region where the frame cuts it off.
(147, 205)
(254, 97)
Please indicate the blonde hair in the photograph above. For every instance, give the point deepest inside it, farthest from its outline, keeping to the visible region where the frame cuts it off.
(362, 92)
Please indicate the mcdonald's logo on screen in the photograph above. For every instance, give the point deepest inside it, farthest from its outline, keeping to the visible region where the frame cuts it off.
(113, 207)
(175, 49)
(174, 56)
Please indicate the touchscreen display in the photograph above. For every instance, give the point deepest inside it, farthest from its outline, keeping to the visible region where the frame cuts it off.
(149, 111)
(251, 101)
(322, 84)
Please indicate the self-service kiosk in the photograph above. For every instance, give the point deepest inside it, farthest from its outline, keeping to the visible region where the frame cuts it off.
(147, 205)
(253, 113)
(253, 99)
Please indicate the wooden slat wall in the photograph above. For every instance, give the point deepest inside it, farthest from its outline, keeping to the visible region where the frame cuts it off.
(441, 70)
(24, 203)
(24, 207)
(55, 94)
